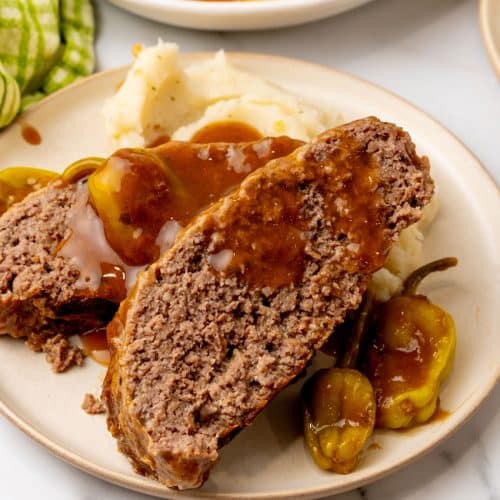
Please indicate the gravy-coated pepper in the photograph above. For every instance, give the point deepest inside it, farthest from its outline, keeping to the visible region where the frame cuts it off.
(339, 406)
(410, 354)
(131, 192)
(339, 416)
(143, 196)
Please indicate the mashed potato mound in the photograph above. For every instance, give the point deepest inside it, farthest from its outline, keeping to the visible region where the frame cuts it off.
(405, 256)
(161, 97)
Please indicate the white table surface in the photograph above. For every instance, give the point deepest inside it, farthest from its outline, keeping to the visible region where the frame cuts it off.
(428, 51)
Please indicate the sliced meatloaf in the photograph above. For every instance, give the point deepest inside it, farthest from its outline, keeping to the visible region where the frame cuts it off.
(237, 307)
(42, 290)
(39, 291)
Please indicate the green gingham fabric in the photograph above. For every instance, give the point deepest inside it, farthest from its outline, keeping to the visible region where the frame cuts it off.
(44, 46)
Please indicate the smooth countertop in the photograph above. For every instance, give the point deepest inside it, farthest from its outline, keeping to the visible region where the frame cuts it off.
(429, 52)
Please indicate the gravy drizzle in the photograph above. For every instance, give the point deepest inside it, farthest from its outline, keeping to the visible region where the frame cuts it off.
(31, 135)
(265, 234)
(144, 196)
(95, 345)
(226, 131)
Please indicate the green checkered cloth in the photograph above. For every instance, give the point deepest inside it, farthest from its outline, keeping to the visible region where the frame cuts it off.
(44, 46)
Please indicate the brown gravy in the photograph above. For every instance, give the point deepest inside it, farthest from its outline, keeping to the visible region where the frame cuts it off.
(101, 268)
(154, 192)
(265, 236)
(109, 261)
(204, 173)
(226, 131)
(95, 345)
(31, 135)
(393, 369)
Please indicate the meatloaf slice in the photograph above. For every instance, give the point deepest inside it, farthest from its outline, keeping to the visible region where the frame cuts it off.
(39, 292)
(43, 291)
(237, 307)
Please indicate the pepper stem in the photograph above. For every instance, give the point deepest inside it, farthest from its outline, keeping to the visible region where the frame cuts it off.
(413, 281)
(350, 357)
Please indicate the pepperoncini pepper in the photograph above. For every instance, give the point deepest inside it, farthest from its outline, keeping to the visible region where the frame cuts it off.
(82, 168)
(17, 182)
(133, 194)
(339, 407)
(411, 353)
(339, 416)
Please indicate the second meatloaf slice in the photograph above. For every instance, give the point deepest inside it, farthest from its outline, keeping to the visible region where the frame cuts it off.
(55, 258)
(238, 306)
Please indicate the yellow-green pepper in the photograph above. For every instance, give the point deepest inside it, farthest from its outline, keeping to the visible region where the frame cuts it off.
(17, 182)
(82, 168)
(411, 354)
(133, 193)
(339, 416)
(339, 403)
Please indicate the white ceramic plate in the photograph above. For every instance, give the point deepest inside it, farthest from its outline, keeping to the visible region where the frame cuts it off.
(489, 13)
(237, 15)
(268, 460)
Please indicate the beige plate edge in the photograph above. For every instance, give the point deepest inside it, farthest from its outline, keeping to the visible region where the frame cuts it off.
(487, 35)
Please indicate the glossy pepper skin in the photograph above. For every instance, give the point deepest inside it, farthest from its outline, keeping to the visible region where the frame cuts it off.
(81, 169)
(131, 193)
(339, 403)
(411, 354)
(339, 416)
(17, 182)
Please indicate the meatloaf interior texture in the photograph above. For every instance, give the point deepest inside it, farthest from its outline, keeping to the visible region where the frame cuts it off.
(199, 348)
(39, 294)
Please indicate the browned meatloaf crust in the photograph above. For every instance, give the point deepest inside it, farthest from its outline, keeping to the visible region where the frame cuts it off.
(196, 354)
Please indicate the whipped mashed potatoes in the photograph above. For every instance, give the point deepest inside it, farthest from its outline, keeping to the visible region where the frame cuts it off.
(405, 256)
(162, 97)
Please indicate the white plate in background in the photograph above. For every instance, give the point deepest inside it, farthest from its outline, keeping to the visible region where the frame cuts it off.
(237, 15)
(489, 14)
(268, 459)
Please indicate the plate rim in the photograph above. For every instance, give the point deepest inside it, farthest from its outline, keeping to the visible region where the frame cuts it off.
(238, 7)
(135, 482)
(487, 36)
(217, 14)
